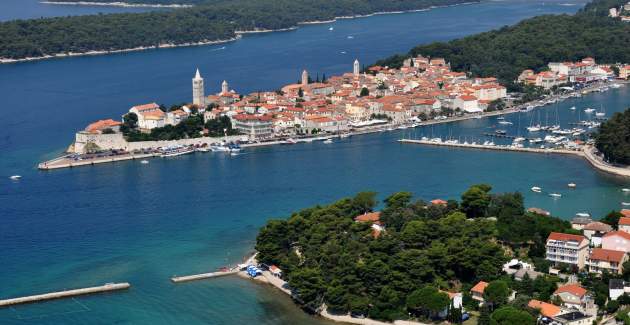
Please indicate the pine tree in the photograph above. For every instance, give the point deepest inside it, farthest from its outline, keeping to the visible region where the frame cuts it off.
(484, 316)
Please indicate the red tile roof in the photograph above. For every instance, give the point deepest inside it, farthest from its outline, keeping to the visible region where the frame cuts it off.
(546, 309)
(565, 237)
(368, 217)
(438, 202)
(608, 255)
(623, 234)
(573, 289)
(479, 287)
(625, 212)
(102, 124)
(624, 221)
(598, 226)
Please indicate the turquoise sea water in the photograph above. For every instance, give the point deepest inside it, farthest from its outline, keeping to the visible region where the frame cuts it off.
(26, 9)
(144, 223)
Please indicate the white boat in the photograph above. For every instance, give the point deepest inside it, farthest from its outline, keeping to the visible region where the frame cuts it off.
(331, 28)
(625, 190)
(589, 110)
(571, 185)
(219, 148)
(477, 117)
(402, 127)
(15, 177)
(600, 114)
(203, 149)
(536, 140)
(290, 141)
(176, 150)
(350, 37)
(144, 162)
(500, 118)
(328, 141)
(534, 128)
(615, 86)
(345, 135)
(505, 122)
(536, 189)
(572, 108)
(625, 203)
(519, 139)
(583, 214)
(555, 195)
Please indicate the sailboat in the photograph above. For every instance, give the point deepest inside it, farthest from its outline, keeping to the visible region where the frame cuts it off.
(532, 127)
(589, 110)
(601, 113)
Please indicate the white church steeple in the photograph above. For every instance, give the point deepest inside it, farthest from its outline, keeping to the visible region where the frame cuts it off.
(224, 87)
(199, 98)
(356, 68)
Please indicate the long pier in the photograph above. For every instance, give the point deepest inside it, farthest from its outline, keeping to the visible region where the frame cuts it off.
(495, 147)
(66, 162)
(202, 276)
(65, 294)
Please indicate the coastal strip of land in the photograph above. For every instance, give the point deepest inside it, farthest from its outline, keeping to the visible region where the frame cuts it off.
(116, 4)
(238, 34)
(65, 294)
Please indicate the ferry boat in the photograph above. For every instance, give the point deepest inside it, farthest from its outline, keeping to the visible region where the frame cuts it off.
(536, 189)
(176, 150)
(15, 177)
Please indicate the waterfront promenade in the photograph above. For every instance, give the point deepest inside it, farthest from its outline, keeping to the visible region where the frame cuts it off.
(587, 152)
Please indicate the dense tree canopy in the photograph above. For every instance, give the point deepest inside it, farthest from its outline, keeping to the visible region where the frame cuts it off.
(329, 258)
(210, 21)
(613, 138)
(534, 42)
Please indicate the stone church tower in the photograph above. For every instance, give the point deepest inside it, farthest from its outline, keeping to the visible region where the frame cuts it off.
(199, 98)
(356, 68)
(225, 88)
(304, 78)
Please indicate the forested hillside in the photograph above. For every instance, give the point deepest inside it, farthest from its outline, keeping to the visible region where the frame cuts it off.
(533, 43)
(329, 258)
(217, 20)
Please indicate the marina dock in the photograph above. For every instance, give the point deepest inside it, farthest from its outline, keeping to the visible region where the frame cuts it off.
(495, 147)
(203, 276)
(65, 294)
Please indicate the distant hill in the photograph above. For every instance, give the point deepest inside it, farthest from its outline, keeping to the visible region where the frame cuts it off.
(148, 2)
(533, 43)
(209, 21)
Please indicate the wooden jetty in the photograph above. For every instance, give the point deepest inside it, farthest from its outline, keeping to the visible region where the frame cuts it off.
(65, 294)
(202, 276)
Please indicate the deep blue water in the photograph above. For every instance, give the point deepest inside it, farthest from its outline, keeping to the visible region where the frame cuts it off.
(26, 9)
(144, 223)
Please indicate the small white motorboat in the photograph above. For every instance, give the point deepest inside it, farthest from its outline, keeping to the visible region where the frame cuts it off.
(144, 162)
(589, 110)
(555, 195)
(625, 190)
(572, 108)
(571, 185)
(331, 28)
(15, 177)
(536, 189)
(625, 203)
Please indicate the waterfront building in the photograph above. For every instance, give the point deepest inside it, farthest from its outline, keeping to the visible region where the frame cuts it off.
(101, 126)
(617, 241)
(567, 248)
(601, 260)
(199, 98)
(624, 72)
(150, 116)
(467, 103)
(253, 126)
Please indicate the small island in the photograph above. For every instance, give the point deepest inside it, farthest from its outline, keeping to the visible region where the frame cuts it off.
(484, 257)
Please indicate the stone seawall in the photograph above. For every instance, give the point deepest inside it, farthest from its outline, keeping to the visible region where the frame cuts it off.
(117, 141)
